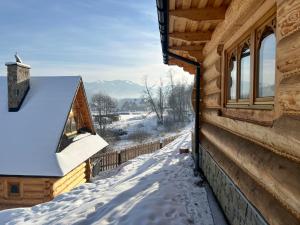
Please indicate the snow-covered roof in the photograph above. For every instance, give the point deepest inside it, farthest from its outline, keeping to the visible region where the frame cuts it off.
(29, 138)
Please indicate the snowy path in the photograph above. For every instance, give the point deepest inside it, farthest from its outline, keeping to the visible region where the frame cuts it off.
(158, 188)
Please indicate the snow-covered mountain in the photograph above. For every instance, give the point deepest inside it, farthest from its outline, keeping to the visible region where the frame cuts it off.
(116, 88)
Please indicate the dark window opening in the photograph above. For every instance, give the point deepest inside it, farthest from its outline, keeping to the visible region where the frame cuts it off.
(14, 189)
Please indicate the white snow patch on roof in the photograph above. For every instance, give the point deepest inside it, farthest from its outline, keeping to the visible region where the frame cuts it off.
(29, 137)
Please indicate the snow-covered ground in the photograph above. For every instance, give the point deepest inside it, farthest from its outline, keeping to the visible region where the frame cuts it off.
(157, 188)
(145, 122)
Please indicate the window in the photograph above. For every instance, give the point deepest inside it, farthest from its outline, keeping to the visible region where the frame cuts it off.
(245, 73)
(71, 125)
(232, 82)
(14, 189)
(266, 65)
(250, 73)
(17, 92)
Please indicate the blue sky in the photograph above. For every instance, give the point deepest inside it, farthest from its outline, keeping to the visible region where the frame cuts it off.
(98, 39)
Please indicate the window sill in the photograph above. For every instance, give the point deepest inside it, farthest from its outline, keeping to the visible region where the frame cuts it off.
(261, 116)
(260, 106)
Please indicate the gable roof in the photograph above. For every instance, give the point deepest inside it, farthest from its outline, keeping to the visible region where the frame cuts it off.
(30, 137)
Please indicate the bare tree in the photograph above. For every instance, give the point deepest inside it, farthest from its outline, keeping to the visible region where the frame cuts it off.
(157, 104)
(179, 99)
(105, 106)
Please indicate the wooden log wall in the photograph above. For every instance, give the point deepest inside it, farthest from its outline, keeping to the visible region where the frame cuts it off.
(81, 109)
(32, 191)
(73, 179)
(36, 190)
(259, 149)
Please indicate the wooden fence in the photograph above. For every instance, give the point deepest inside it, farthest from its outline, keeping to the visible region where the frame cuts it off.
(110, 160)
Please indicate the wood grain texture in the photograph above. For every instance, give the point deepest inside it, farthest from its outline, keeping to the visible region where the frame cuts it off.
(187, 48)
(200, 14)
(236, 15)
(274, 212)
(265, 167)
(212, 101)
(288, 18)
(258, 116)
(288, 58)
(289, 94)
(191, 36)
(212, 87)
(287, 145)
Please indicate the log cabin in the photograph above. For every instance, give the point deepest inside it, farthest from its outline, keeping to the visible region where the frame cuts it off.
(245, 56)
(47, 136)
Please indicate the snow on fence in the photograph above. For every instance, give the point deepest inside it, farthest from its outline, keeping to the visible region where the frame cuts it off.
(110, 160)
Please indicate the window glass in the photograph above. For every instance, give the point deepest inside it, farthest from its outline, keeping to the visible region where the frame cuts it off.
(14, 189)
(71, 125)
(266, 76)
(232, 78)
(245, 73)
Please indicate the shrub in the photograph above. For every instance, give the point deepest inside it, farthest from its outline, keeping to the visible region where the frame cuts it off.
(138, 136)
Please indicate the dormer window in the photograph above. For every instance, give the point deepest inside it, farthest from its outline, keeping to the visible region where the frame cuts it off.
(71, 125)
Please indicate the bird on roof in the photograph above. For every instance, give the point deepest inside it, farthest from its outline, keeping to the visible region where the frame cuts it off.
(18, 59)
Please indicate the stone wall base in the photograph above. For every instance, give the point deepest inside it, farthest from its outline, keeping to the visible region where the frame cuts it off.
(238, 210)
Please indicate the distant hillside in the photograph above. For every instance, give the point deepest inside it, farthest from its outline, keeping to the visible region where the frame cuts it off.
(115, 88)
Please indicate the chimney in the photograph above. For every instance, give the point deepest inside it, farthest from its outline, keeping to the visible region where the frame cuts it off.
(18, 78)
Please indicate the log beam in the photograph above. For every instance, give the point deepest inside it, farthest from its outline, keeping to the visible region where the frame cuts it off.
(202, 14)
(197, 54)
(185, 66)
(187, 48)
(191, 36)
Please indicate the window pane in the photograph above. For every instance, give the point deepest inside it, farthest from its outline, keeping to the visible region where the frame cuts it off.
(73, 125)
(245, 74)
(14, 189)
(267, 66)
(232, 78)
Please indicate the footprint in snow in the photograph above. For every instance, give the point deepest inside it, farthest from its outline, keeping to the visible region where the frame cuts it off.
(170, 213)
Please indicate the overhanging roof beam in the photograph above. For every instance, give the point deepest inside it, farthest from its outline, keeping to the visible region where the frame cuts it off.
(187, 48)
(202, 14)
(191, 36)
(183, 59)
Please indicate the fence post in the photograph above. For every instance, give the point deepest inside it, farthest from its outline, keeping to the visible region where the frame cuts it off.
(161, 143)
(119, 158)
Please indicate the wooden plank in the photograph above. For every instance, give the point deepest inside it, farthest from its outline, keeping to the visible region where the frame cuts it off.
(70, 184)
(191, 36)
(288, 57)
(272, 138)
(197, 54)
(212, 101)
(80, 168)
(213, 86)
(202, 14)
(288, 18)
